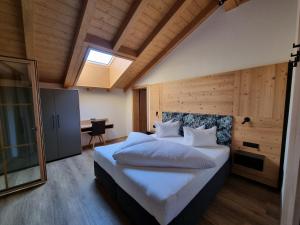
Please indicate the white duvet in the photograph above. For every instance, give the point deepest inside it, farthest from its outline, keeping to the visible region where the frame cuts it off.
(163, 192)
(135, 138)
(161, 153)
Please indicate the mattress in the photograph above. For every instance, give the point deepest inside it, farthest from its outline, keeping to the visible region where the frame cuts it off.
(163, 192)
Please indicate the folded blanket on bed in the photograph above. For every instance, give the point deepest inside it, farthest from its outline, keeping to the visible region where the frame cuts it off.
(160, 153)
(136, 138)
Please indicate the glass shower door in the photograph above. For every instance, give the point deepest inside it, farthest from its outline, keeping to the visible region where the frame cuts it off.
(21, 151)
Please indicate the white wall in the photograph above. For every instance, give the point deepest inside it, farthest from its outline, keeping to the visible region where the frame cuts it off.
(258, 32)
(97, 103)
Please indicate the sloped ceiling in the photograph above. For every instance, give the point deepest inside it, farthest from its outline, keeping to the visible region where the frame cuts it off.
(58, 33)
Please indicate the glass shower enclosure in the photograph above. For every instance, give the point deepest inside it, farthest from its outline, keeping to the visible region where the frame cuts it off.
(22, 162)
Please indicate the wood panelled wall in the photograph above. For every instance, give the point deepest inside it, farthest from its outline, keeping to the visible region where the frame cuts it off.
(258, 93)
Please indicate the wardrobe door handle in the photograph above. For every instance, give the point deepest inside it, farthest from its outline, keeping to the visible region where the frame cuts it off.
(53, 122)
(58, 122)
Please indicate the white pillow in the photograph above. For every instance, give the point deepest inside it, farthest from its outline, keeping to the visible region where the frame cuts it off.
(200, 137)
(169, 121)
(188, 134)
(163, 154)
(167, 129)
(135, 138)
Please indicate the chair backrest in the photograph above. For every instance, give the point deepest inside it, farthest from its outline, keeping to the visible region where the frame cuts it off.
(98, 127)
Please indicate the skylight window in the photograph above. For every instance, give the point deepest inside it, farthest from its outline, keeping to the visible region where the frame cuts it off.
(99, 57)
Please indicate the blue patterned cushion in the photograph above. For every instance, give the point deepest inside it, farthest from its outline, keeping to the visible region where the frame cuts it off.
(194, 120)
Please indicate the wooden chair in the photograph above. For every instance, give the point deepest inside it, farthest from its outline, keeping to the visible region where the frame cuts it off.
(98, 129)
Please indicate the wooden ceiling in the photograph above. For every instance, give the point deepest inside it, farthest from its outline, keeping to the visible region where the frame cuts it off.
(58, 33)
(47, 33)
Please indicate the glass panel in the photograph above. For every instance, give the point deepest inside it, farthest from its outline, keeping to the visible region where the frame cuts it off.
(22, 164)
(19, 162)
(2, 178)
(99, 57)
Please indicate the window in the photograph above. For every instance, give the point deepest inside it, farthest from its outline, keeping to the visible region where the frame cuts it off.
(99, 57)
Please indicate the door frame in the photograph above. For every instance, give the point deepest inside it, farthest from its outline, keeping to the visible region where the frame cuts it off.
(136, 107)
(290, 210)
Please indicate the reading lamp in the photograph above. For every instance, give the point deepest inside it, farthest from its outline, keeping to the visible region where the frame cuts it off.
(246, 120)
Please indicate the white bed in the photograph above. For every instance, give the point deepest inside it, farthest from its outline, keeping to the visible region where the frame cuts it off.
(163, 192)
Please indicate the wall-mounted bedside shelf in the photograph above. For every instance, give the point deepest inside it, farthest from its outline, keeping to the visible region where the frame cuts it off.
(249, 160)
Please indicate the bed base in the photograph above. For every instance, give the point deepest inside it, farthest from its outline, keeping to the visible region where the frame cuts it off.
(190, 215)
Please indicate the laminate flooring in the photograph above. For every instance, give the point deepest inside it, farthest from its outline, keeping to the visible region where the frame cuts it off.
(71, 197)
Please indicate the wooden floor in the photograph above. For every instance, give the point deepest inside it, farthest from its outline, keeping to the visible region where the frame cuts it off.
(71, 197)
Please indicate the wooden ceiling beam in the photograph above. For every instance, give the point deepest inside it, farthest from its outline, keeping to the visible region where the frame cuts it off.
(176, 9)
(128, 23)
(100, 44)
(231, 4)
(201, 17)
(27, 19)
(79, 48)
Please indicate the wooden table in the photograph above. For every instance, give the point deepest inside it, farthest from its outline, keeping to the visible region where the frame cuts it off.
(86, 125)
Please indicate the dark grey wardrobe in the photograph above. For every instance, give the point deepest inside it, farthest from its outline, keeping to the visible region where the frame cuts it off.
(61, 123)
